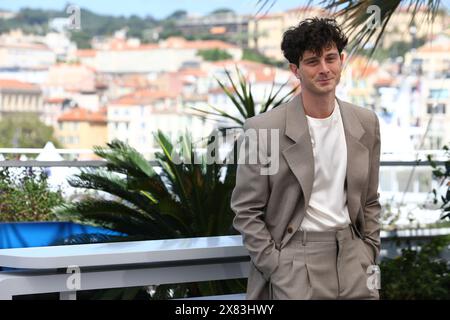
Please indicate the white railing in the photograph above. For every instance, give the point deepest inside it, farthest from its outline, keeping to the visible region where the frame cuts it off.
(68, 269)
(71, 268)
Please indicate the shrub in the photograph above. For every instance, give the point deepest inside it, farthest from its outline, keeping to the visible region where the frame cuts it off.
(25, 195)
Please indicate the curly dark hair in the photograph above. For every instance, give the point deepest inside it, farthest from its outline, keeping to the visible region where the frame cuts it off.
(312, 34)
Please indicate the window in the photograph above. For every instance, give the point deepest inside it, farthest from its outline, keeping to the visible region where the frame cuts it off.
(439, 93)
(438, 108)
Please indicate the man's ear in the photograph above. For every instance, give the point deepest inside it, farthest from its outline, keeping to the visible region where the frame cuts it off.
(343, 57)
(294, 69)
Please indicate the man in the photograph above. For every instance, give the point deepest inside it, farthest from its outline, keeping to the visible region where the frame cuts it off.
(311, 226)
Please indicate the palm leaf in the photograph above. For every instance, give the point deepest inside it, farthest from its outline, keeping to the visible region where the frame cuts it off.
(356, 18)
(242, 99)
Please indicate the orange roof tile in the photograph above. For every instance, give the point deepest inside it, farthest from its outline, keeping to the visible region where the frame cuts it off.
(143, 96)
(85, 53)
(192, 72)
(384, 82)
(78, 114)
(430, 48)
(54, 100)
(17, 85)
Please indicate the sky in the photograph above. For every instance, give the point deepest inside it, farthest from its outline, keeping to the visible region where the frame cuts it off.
(156, 8)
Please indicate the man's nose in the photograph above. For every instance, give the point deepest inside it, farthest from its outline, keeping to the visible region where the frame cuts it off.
(324, 67)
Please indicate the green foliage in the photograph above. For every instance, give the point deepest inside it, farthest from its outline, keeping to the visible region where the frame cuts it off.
(242, 98)
(355, 15)
(82, 39)
(30, 20)
(25, 130)
(222, 10)
(417, 275)
(206, 36)
(253, 55)
(186, 199)
(25, 196)
(214, 54)
(92, 24)
(177, 14)
(169, 30)
(442, 174)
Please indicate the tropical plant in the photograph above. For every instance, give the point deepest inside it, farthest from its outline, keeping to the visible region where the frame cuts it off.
(417, 274)
(358, 15)
(443, 175)
(25, 195)
(245, 106)
(185, 199)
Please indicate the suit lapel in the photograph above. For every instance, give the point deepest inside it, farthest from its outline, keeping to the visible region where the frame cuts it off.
(357, 159)
(299, 156)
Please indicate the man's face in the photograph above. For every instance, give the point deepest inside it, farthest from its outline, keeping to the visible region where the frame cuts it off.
(319, 74)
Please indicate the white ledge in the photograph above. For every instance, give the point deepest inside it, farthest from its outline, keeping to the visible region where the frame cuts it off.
(121, 253)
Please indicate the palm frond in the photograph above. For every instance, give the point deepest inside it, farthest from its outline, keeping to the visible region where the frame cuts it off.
(357, 20)
(241, 96)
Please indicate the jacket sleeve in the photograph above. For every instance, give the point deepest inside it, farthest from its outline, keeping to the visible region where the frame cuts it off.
(372, 207)
(248, 201)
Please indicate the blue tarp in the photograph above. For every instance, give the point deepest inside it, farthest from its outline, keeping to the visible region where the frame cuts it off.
(38, 234)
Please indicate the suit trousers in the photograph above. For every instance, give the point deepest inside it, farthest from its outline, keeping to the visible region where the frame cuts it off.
(324, 265)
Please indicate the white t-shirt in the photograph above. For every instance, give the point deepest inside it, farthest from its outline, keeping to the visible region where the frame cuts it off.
(327, 209)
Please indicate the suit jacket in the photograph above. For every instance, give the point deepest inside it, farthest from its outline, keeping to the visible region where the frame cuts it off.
(270, 208)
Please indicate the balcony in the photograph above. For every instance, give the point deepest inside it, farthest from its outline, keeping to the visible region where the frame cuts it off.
(70, 269)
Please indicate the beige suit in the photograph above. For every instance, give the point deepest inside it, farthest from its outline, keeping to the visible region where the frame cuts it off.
(269, 208)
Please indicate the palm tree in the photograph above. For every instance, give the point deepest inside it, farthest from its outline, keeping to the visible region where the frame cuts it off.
(358, 15)
(244, 104)
(189, 199)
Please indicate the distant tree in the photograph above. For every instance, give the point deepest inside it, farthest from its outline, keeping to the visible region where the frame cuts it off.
(82, 39)
(253, 55)
(25, 130)
(178, 14)
(36, 21)
(222, 10)
(214, 54)
(169, 30)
